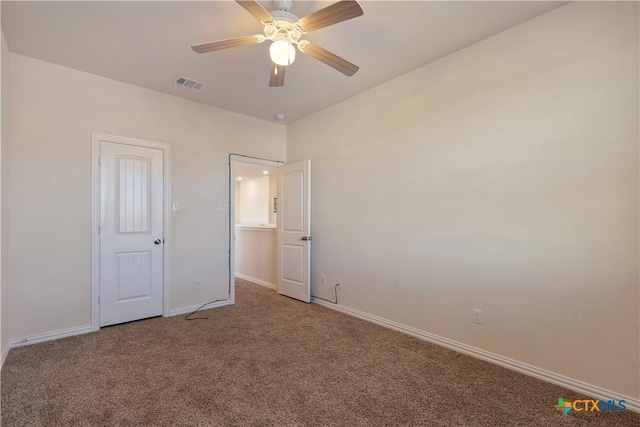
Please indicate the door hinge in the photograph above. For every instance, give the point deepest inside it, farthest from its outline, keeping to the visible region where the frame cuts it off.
(98, 299)
(99, 161)
(99, 230)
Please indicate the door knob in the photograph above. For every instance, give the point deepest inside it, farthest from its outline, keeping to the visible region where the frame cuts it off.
(157, 241)
(305, 238)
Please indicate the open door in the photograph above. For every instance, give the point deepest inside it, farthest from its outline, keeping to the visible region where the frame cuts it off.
(294, 227)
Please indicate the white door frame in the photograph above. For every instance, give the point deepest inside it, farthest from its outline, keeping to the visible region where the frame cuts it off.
(233, 159)
(97, 138)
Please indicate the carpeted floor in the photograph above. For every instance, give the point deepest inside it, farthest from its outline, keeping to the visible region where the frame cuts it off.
(270, 361)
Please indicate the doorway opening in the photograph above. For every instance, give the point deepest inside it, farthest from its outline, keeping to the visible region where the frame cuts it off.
(253, 195)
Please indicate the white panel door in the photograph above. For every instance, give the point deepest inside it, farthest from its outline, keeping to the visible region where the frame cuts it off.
(294, 227)
(131, 236)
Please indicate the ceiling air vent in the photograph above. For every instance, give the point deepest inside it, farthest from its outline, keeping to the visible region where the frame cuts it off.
(189, 83)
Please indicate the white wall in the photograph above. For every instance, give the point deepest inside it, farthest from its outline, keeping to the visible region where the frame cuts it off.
(253, 203)
(236, 200)
(54, 110)
(503, 177)
(255, 255)
(4, 140)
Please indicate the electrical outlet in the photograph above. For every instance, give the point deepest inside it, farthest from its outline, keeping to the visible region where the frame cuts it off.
(339, 283)
(477, 316)
(199, 284)
(323, 280)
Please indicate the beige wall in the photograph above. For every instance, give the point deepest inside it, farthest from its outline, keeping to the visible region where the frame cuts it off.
(503, 177)
(4, 140)
(54, 110)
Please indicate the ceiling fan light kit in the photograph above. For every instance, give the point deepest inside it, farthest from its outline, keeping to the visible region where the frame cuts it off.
(285, 31)
(282, 52)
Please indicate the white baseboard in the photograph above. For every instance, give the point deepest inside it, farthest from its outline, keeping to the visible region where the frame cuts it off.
(631, 403)
(78, 330)
(49, 336)
(256, 281)
(188, 309)
(5, 351)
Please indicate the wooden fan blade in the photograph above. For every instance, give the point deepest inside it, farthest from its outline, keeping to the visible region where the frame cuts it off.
(337, 12)
(256, 9)
(331, 59)
(277, 75)
(224, 44)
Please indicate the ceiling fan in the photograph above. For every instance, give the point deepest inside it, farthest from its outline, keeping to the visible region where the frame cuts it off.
(285, 31)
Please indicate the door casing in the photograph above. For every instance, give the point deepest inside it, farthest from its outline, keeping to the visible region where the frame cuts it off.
(97, 138)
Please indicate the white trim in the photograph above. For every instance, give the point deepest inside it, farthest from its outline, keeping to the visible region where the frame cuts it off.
(5, 352)
(631, 403)
(96, 139)
(233, 159)
(188, 309)
(50, 336)
(95, 237)
(256, 281)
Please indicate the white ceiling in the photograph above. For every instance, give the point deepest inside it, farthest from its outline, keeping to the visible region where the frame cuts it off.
(148, 44)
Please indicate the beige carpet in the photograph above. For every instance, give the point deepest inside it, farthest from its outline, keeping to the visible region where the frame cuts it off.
(270, 361)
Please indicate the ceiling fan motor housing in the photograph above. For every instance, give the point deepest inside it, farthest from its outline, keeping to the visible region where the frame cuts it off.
(283, 27)
(283, 4)
(284, 15)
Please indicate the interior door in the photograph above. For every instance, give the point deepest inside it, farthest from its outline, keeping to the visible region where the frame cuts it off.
(294, 227)
(131, 233)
